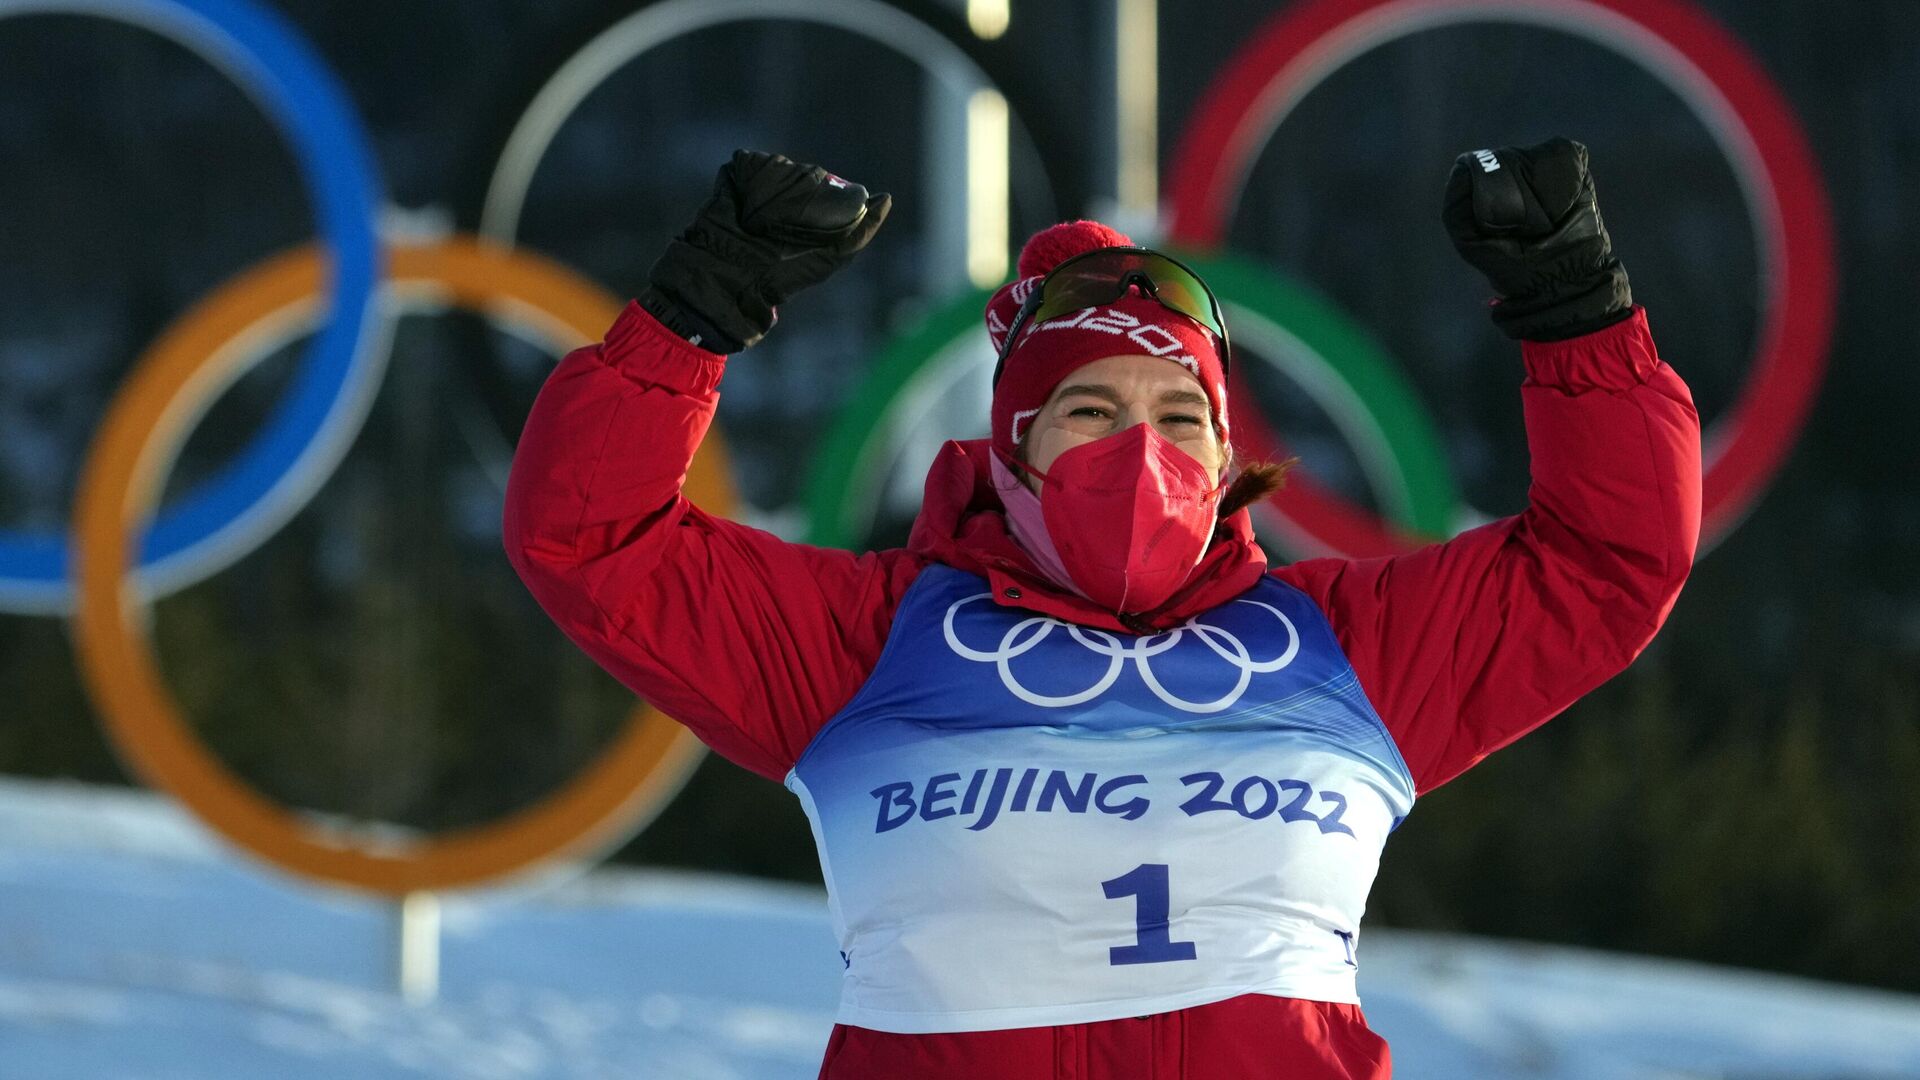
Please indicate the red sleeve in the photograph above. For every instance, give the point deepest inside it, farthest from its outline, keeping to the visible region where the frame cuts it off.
(1465, 646)
(750, 641)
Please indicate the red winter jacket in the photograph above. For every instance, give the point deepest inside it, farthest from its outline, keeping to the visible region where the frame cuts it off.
(754, 642)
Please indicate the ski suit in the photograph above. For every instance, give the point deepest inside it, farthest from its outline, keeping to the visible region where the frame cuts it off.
(755, 643)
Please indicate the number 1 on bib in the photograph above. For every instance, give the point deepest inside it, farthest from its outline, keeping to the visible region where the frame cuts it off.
(1153, 942)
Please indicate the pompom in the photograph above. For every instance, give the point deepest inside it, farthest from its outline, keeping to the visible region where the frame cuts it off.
(1056, 244)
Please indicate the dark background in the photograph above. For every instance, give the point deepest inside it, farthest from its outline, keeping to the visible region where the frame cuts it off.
(1749, 792)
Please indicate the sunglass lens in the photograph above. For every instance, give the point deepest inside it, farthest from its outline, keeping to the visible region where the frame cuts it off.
(1181, 291)
(1082, 285)
(1102, 277)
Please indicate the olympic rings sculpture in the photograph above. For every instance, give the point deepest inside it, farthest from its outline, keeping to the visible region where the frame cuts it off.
(131, 550)
(1298, 49)
(189, 366)
(233, 330)
(1705, 66)
(309, 431)
(1140, 651)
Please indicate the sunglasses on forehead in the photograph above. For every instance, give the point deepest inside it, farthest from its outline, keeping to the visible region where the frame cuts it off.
(1103, 276)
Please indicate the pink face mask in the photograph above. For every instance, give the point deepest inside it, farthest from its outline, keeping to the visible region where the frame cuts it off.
(1130, 514)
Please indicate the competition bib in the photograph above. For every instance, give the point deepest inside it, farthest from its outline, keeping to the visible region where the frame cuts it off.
(1023, 822)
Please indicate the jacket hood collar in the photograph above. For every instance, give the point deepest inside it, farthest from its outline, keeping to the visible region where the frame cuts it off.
(962, 524)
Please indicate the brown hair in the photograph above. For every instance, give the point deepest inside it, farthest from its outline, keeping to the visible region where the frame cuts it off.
(1257, 480)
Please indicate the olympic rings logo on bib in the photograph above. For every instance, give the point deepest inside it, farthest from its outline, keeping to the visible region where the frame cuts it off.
(1141, 651)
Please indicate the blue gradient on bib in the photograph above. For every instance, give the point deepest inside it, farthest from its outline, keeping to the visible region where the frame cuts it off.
(923, 686)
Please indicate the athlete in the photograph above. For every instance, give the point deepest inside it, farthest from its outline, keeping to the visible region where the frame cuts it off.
(1097, 791)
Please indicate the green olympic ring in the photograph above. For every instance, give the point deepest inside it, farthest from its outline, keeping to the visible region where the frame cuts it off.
(1347, 374)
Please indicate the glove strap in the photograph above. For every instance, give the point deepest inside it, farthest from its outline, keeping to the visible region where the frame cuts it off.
(1606, 300)
(697, 331)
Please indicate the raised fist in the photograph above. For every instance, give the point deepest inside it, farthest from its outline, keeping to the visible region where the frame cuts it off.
(1526, 218)
(772, 227)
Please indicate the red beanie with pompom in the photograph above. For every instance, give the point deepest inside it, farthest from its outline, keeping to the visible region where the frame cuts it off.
(1050, 351)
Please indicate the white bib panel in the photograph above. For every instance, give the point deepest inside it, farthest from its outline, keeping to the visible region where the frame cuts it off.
(1023, 822)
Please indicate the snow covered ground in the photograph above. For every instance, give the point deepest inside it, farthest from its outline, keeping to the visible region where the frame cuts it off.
(135, 947)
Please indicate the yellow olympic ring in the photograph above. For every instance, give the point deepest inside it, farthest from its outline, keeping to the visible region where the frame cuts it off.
(187, 369)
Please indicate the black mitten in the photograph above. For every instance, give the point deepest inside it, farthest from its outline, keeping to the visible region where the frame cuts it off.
(772, 227)
(1526, 218)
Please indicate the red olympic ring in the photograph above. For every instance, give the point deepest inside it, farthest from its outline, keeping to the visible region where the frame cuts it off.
(1701, 60)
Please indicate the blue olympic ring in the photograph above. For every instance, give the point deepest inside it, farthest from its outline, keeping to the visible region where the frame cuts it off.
(309, 430)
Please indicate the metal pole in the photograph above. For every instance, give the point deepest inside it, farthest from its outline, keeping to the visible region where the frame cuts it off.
(988, 172)
(966, 151)
(1128, 164)
(1136, 91)
(419, 940)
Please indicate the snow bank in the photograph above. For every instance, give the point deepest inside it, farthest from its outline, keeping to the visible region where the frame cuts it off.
(132, 944)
